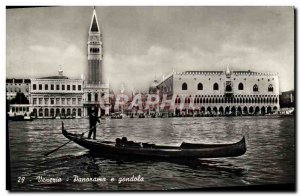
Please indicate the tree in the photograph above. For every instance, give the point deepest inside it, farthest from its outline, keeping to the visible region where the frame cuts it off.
(19, 99)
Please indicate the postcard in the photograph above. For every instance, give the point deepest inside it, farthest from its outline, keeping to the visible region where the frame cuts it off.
(133, 98)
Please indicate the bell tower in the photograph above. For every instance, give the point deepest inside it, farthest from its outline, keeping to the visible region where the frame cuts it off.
(94, 87)
(95, 52)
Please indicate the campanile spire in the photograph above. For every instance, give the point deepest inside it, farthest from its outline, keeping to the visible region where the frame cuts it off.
(94, 27)
(95, 52)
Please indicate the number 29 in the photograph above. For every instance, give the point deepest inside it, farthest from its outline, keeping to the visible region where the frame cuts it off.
(21, 179)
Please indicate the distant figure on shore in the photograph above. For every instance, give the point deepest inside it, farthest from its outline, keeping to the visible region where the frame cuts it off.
(93, 122)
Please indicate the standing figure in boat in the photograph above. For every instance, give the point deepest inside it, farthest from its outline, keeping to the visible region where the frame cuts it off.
(93, 122)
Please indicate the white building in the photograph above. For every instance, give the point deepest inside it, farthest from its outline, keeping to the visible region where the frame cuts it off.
(56, 96)
(221, 92)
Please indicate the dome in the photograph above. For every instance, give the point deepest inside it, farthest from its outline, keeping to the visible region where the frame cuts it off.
(153, 86)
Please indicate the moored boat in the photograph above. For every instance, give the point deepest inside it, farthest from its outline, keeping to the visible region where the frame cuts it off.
(28, 118)
(185, 150)
(21, 118)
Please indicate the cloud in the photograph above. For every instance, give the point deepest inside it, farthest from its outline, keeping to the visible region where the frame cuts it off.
(44, 49)
(138, 71)
(143, 42)
(73, 51)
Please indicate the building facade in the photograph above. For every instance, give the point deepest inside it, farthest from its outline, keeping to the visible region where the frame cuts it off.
(19, 110)
(14, 86)
(56, 97)
(221, 92)
(94, 88)
(62, 97)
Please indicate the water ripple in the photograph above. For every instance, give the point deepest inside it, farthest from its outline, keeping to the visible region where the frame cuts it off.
(269, 157)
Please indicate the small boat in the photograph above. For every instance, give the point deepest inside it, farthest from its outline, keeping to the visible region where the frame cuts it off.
(185, 150)
(21, 118)
(28, 118)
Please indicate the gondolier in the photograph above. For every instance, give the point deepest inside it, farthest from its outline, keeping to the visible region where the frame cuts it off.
(93, 122)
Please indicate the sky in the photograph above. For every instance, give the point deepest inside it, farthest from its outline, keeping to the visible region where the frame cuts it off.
(144, 43)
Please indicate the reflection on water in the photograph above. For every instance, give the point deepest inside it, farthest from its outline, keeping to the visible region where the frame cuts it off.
(269, 157)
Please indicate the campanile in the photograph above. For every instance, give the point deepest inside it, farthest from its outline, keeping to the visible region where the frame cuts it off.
(95, 52)
(94, 86)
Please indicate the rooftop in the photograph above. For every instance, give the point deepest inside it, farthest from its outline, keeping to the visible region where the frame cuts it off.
(55, 77)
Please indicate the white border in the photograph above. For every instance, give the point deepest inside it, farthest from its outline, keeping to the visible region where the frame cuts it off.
(116, 3)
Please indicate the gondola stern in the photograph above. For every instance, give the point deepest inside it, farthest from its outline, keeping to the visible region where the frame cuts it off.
(243, 139)
(243, 146)
(63, 130)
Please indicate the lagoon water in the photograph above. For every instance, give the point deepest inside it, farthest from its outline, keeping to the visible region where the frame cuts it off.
(270, 156)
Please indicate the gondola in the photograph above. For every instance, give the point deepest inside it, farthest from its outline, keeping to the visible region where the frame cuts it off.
(185, 150)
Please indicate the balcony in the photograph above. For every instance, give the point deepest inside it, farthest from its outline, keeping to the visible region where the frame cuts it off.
(96, 86)
(228, 89)
(94, 102)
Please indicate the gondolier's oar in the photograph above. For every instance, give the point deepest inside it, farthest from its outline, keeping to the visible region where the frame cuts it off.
(69, 142)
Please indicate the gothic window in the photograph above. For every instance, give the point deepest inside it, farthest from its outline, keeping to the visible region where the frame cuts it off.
(184, 86)
(96, 96)
(270, 88)
(200, 86)
(241, 86)
(89, 97)
(228, 88)
(216, 86)
(255, 88)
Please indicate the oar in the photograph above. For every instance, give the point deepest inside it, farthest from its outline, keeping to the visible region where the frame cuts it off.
(68, 142)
